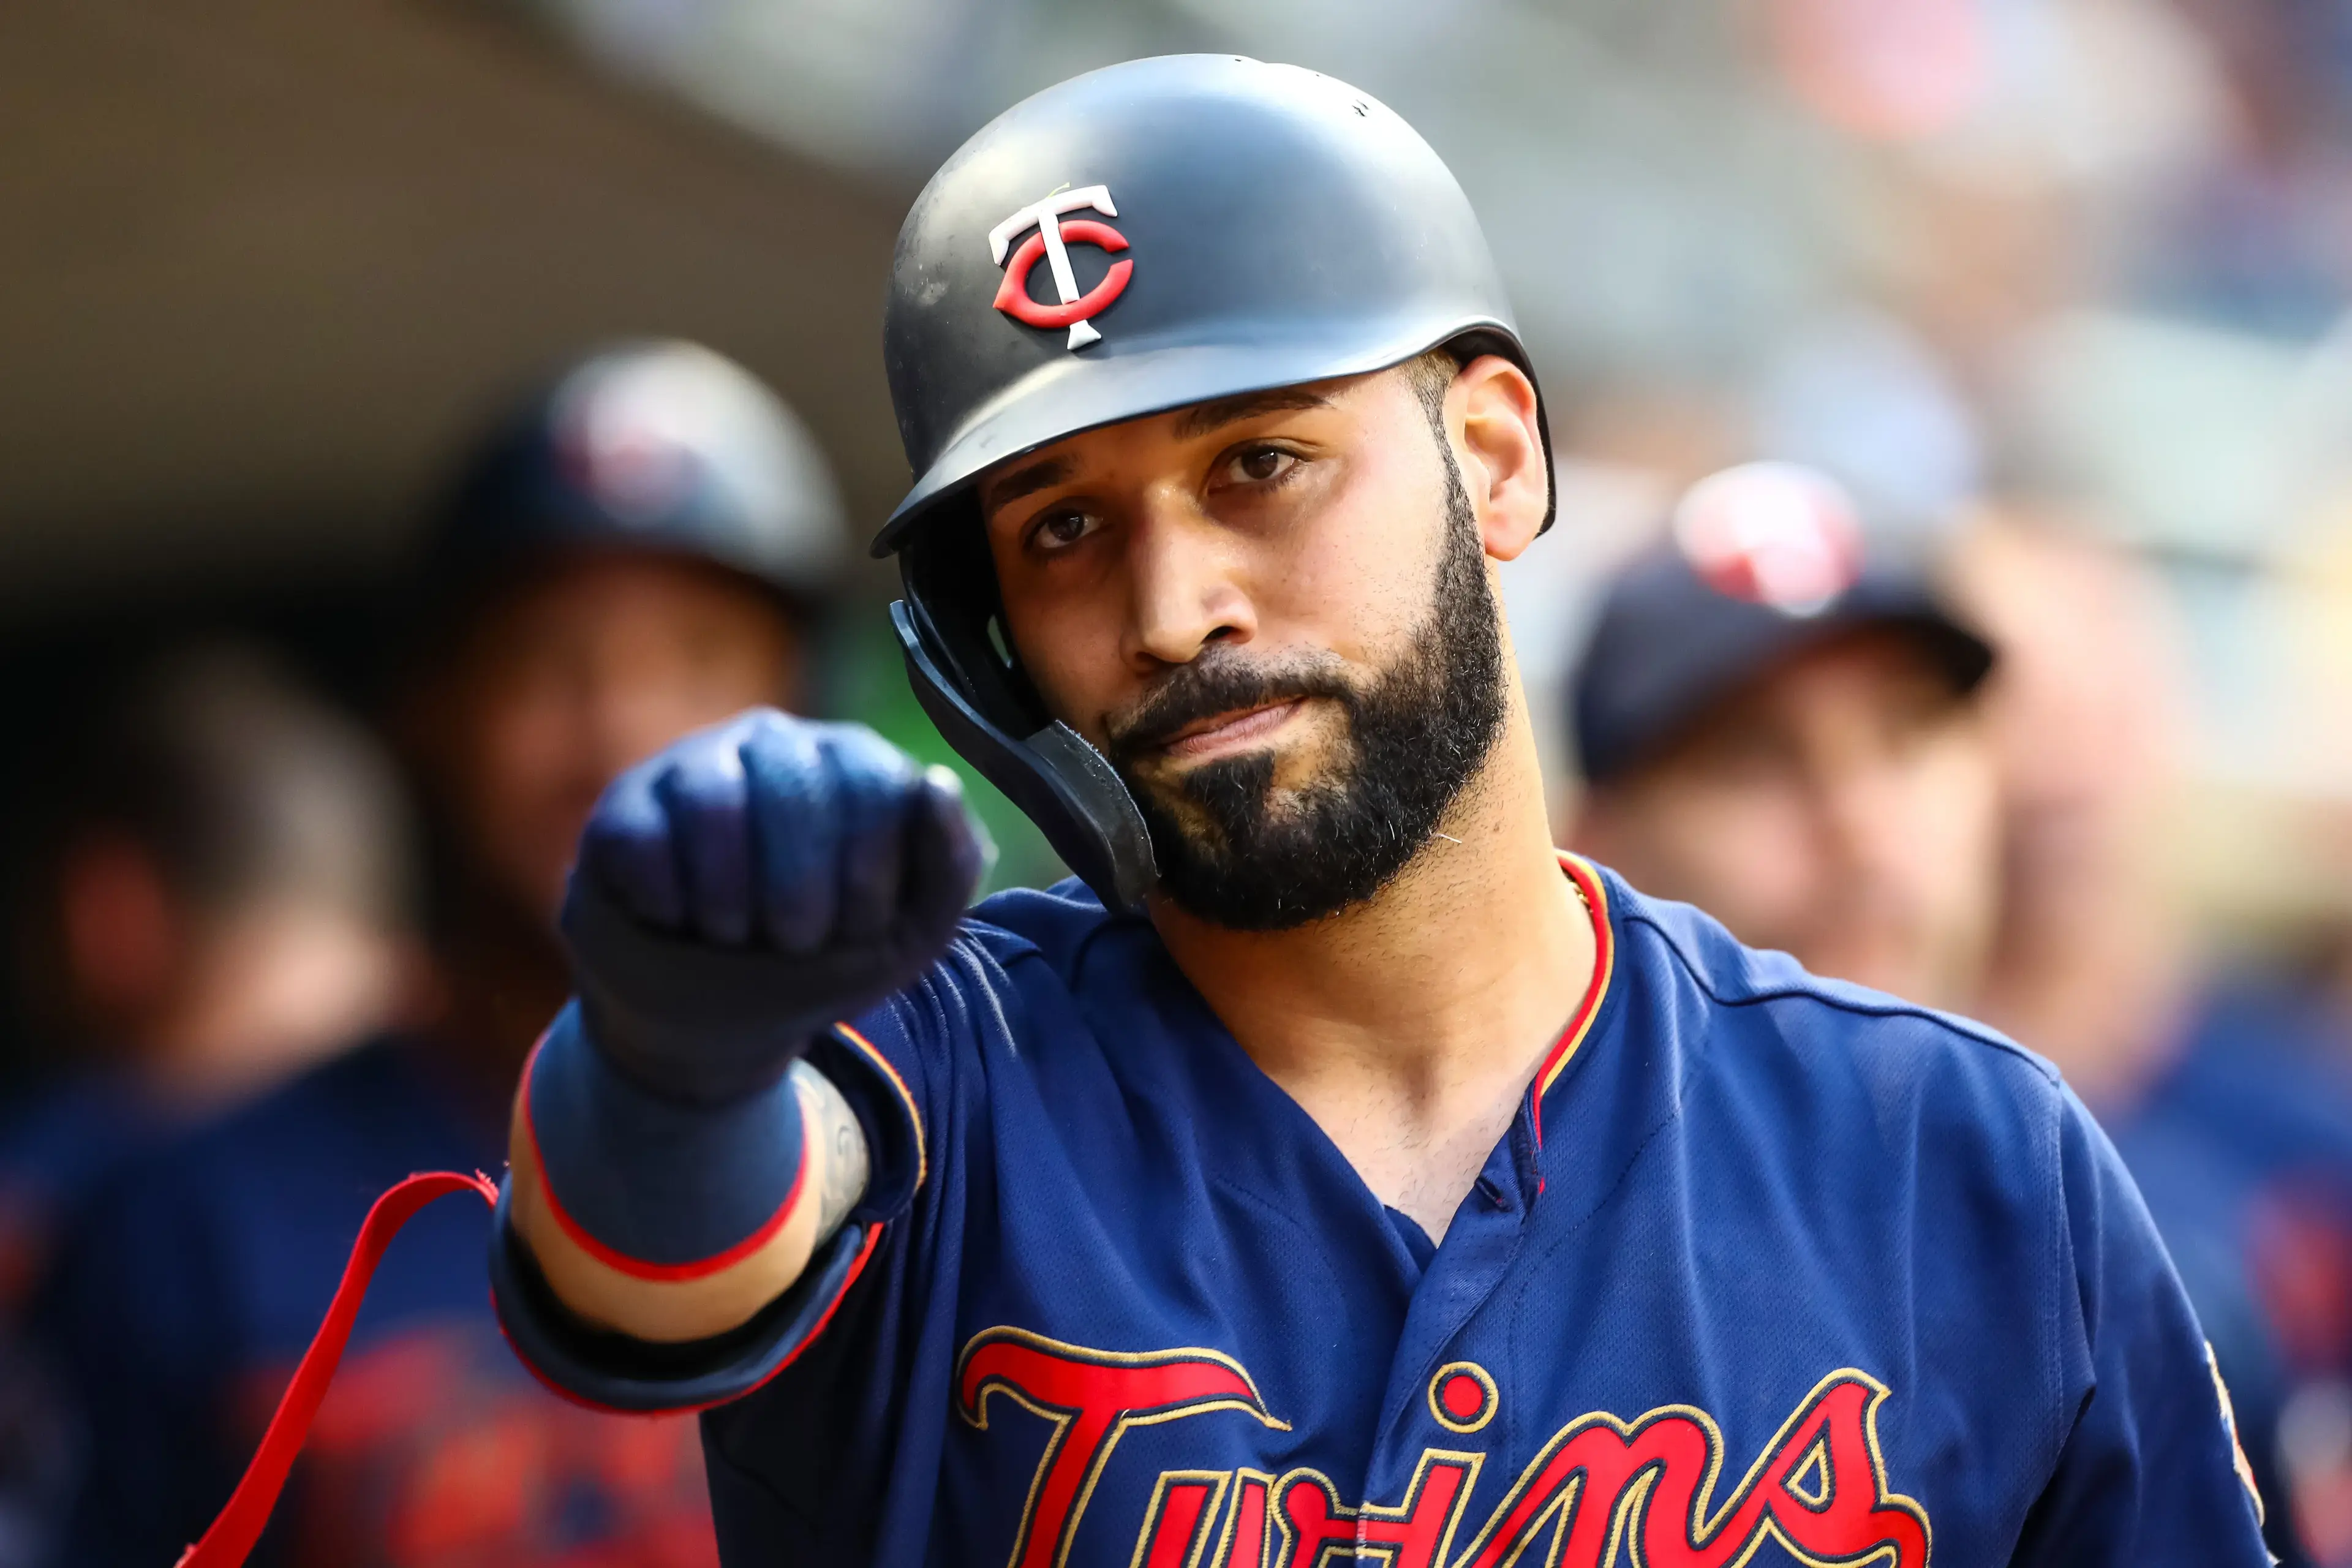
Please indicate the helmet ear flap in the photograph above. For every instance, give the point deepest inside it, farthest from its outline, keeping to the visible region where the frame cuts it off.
(965, 675)
(951, 576)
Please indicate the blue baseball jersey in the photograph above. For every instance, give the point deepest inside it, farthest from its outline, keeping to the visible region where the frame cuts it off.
(2242, 1146)
(194, 1280)
(1766, 1271)
(55, 1150)
(54, 1153)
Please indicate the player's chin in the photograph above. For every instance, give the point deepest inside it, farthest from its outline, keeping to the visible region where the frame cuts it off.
(1260, 782)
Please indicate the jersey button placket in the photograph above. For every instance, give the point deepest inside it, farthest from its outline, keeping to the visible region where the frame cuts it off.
(1471, 1264)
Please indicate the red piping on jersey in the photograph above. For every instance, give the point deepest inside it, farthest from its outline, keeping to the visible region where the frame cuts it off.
(914, 1113)
(637, 1268)
(239, 1525)
(1604, 964)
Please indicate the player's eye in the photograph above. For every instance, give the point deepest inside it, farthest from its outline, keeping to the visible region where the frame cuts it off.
(1060, 527)
(1258, 465)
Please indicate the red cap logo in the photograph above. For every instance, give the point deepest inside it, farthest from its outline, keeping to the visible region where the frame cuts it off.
(626, 440)
(1771, 534)
(1051, 242)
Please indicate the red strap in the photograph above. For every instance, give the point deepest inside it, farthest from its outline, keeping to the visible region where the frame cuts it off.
(232, 1535)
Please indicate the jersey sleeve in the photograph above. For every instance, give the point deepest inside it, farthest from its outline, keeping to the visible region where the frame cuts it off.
(883, 1064)
(2151, 1473)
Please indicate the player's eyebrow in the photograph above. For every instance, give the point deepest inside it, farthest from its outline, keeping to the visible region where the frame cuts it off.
(1198, 420)
(1202, 417)
(1037, 476)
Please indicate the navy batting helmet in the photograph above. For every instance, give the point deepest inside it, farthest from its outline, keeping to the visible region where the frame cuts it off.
(1139, 239)
(658, 446)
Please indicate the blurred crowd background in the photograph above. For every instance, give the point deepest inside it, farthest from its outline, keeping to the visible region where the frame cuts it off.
(309, 675)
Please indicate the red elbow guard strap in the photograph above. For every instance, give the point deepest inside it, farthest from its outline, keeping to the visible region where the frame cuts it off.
(232, 1533)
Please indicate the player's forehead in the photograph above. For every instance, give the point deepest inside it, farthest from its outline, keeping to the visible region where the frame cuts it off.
(1870, 677)
(1151, 438)
(1866, 666)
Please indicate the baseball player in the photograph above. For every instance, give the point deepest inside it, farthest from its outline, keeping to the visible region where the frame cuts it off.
(1780, 720)
(1332, 1171)
(1790, 726)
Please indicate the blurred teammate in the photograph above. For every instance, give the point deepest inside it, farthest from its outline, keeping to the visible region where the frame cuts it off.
(229, 899)
(1786, 735)
(2224, 1093)
(226, 901)
(2009, 844)
(632, 556)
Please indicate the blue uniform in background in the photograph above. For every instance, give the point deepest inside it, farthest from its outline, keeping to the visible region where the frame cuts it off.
(54, 1153)
(2243, 1148)
(1768, 1269)
(196, 1279)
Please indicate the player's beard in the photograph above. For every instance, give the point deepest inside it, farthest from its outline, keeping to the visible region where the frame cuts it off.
(1233, 853)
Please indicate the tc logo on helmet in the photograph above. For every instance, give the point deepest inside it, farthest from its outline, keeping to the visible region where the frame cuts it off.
(1051, 242)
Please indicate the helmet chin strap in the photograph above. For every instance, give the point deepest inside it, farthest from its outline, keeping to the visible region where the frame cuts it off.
(1059, 782)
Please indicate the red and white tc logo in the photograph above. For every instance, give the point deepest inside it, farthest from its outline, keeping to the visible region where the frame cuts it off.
(1051, 242)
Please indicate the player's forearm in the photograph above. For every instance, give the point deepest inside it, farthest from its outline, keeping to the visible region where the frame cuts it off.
(663, 1307)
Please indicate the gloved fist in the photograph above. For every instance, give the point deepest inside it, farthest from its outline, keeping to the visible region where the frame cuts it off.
(752, 884)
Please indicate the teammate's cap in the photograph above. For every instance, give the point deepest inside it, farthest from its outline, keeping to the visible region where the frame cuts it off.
(661, 445)
(1138, 239)
(1764, 561)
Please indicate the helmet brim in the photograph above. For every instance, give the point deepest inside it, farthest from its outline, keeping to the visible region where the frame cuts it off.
(1072, 395)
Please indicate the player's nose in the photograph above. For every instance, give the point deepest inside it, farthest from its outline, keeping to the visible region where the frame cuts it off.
(1185, 584)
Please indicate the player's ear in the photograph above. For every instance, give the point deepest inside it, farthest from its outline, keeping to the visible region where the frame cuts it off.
(1491, 413)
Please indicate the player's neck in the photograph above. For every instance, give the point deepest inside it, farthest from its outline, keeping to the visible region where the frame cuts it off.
(1433, 1002)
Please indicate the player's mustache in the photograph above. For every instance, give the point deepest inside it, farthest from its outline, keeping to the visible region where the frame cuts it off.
(1215, 684)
